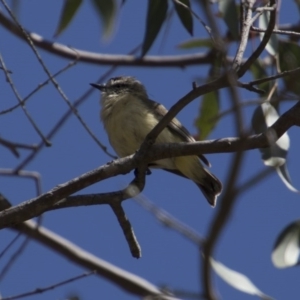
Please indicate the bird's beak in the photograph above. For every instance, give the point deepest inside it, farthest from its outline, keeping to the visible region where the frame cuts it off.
(98, 86)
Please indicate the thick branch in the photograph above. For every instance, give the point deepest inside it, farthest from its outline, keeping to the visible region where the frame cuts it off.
(123, 279)
(179, 105)
(37, 206)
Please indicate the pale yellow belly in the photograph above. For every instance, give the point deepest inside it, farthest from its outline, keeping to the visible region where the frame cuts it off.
(128, 129)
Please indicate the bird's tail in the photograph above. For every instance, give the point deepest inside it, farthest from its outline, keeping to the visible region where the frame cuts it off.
(210, 186)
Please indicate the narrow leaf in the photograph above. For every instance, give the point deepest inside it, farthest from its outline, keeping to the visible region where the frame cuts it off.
(229, 13)
(286, 249)
(68, 12)
(107, 11)
(265, 116)
(272, 45)
(196, 43)
(258, 72)
(289, 59)
(156, 15)
(284, 175)
(209, 110)
(185, 15)
(237, 280)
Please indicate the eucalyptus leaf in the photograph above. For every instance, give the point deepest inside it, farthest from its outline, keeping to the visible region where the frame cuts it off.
(196, 43)
(229, 14)
(185, 15)
(286, 249)
(209, 111)
(284, 175)
(258, 72)
(237, 280)
(156, 15)
(265, 116)
(68, 12)
(289, 59)
(107, 12)
(272, 45)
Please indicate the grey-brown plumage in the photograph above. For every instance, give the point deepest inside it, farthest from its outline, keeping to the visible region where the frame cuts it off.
(129, 115)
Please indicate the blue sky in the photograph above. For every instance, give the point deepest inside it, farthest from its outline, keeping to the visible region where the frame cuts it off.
(167, 259)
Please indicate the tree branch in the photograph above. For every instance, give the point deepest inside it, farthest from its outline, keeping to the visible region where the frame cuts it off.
(129, 282)
(38, 205)
(108, 59)
(244, 68)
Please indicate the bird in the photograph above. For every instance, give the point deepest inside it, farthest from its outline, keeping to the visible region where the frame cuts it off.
(129, 115)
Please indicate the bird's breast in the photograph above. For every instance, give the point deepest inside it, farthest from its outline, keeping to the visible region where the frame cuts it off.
(127, 124)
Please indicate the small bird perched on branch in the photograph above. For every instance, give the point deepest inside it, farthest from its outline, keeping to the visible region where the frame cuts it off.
(129, 115)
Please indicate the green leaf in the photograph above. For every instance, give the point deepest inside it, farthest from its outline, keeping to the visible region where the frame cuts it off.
(209, 111)
(229, 13)
(196, 43)
(185, 15)
(286, 250)
(272, 45)
(289, 59)
(258, 72)
(107, 12)
(156, 15)
(68, 12)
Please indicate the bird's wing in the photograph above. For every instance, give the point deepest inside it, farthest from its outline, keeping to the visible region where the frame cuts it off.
(174, 126)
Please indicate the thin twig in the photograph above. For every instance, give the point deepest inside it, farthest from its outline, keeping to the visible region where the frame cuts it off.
(51, 287)
(254, 180)
(66, 115)
(232, 109)
(254, 56)
(170, 221)
(132, 190)
(12, 146)
(52, 79)
(10, 244)
(14, 257)
(69, 65)
(250, 88)
(35, 176)
(17, 145)
(270, 78)
(128, 232)
(276, 31)
(8, 78)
